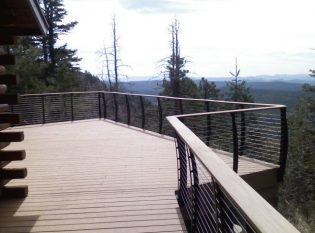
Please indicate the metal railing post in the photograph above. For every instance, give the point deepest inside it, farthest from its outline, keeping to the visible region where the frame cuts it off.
(43, 109)
(104, 106)
(181, 109)
(99, 106)
(208, 128)
(71, 107)
(243, 133)
(196, 195)
(128, 109)
(160, 115)
(116, 107)
(235, 143)
(283, 143)
(142, 111)
(182, 171)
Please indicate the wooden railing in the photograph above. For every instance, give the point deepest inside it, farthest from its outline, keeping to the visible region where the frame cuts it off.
(214, 198)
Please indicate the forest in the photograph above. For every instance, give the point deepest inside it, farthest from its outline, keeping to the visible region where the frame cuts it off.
(44, 65)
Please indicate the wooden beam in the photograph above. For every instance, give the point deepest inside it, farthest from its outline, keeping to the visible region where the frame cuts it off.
(7, 59)
(4, 107)
(14, 155)
(6, 40)
(11, 136)
(4, 126)
(3, 88)
(3, 70)
(4, 145)
(9, 99)
(8, 79)
(15, 191)
(21, 30)
(13, 173)
(12, 118)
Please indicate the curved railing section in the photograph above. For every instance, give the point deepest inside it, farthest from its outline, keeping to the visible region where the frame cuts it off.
(230, 127)
(212, 196)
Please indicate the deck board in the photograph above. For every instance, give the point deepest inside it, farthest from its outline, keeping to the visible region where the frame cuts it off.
(97, 176)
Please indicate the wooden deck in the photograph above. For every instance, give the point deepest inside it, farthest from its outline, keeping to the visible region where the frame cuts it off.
(98, 176)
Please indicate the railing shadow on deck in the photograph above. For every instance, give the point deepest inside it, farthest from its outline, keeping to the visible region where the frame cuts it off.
(214, 198)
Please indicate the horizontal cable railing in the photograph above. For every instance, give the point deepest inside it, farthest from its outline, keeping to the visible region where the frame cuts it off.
(212, 196)
(260, 135)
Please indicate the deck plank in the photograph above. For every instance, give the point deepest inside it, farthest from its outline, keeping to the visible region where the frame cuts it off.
(94, 176)
(98, 176)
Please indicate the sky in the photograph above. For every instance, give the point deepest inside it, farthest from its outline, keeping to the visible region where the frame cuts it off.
(268, 37)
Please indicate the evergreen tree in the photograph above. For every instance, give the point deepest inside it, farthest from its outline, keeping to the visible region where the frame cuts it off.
(208, 90)
(237, 89)
(175, 72)
(54, 13)
(297, 200)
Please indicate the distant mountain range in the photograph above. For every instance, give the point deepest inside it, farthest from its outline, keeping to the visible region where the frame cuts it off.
(295, 78)
(278, 89)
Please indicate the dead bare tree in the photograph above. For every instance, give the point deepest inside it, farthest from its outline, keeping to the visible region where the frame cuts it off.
(111, 61)
(115, 52)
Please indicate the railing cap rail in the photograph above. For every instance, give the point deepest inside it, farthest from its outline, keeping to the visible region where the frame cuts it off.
(258, 212)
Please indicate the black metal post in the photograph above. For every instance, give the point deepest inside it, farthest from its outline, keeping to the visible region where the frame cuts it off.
(43, 109)
(64, 107)
(196, 195)
(99, 105)
(182, 171)
(142, 111)
(283, 143)
(128, 109)
(71, 107)
(217, 196)
(115, 106)
(181, 109)
(208, 128)
(243, 133)
(160, 115)
(104, 105)
(235, 143)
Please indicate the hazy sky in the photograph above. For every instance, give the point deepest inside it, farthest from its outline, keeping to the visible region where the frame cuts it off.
(267, 36)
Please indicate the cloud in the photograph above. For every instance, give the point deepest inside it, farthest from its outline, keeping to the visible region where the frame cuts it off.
(157, 6)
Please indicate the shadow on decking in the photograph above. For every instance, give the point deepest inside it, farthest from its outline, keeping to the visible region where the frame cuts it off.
(11, 223)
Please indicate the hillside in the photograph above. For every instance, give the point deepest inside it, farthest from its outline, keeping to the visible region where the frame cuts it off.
(278, 92)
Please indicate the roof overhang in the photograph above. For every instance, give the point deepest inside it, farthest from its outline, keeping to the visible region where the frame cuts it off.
(22, 18)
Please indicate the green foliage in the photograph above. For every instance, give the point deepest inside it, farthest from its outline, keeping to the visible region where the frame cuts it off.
(57, 55)
(43, 65)
(175, 81)
(237, 89)
(208, 90)
(298, 192)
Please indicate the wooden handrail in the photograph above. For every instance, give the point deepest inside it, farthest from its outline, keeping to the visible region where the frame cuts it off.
(258, 212)
(231, 111)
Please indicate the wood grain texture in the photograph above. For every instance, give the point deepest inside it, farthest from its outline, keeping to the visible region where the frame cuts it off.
(96, 176)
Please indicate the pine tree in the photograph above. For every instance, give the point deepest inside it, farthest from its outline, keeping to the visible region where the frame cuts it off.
(237, 89)
(58, 57)
(208, 90)
(297, 200)
(175, 72)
